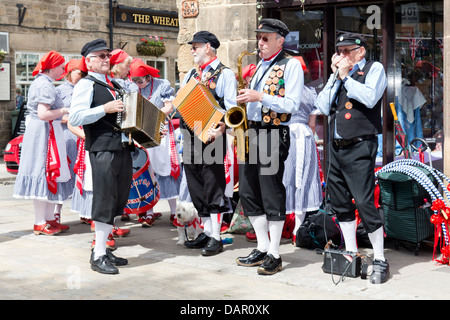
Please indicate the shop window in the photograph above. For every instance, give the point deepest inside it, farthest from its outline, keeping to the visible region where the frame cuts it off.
(419, 72)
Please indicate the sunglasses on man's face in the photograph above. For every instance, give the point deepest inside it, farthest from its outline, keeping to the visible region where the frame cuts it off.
(102, 56)
(346, 51)
(264, 39)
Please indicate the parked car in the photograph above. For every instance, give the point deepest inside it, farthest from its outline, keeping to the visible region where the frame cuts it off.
(11, 155)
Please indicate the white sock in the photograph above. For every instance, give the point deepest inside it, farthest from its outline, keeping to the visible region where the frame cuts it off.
(57, 209)
(39, 212)
(216, 224)
(172, 205)
(275, 229)
(299, 218)
(149, 213)
(49, 211)
(102, 231)
(207, 226)
(377, 240)
(349, 233)
(260, 225)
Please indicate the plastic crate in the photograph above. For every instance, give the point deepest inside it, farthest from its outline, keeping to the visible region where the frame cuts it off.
(402, 199)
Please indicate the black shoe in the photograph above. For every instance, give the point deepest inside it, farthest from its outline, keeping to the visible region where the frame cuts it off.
(213, 247)
(198, 243)
(270, 265)
(380, 273)
(255, 258)
(116, 260)
(103, 265)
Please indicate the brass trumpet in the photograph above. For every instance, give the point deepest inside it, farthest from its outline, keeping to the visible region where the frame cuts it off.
(236, 117)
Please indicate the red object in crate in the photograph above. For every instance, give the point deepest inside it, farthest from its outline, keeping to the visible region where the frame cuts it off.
(11, 155)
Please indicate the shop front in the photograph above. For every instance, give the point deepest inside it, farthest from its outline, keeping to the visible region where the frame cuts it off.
(405, 36)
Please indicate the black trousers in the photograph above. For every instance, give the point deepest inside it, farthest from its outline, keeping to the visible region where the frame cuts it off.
(205, 174)
(351, 176)
(112, 174)
(261, 187)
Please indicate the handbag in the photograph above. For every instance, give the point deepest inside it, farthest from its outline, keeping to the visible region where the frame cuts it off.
(317, 229)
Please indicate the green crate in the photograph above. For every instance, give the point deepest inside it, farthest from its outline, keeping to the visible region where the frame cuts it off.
(402, 199)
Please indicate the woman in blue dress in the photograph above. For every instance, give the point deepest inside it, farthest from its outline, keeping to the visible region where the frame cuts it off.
(73, 72)
(44, 174)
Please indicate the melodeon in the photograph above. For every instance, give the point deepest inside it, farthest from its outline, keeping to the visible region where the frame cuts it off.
(142, 119)
(198, 108)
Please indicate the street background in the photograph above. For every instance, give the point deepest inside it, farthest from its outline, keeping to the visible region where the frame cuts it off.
(57, 267)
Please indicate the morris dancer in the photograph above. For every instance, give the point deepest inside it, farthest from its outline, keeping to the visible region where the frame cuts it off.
(95, 107)
(44, 171)
(75, 70)
(206, 181)
(275, 92)
(353, 103)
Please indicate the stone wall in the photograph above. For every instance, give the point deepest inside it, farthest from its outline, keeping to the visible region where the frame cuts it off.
(232, 21)
(47, 25)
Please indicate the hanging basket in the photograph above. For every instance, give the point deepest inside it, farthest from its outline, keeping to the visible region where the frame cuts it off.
(147, 50)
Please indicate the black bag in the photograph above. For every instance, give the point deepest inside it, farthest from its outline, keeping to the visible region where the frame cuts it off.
(311, 234)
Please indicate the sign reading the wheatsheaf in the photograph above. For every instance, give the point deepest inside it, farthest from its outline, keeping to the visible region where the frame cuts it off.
(132, 17)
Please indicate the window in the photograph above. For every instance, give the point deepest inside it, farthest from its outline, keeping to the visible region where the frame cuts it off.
(159, 64)
(25, 64)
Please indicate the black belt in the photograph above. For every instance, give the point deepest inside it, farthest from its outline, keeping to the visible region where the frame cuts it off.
(254, 123)
(343, 142)
(258, 124)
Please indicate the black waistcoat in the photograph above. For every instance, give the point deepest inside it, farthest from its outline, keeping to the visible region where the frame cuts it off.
(354, 119)
(100, 135)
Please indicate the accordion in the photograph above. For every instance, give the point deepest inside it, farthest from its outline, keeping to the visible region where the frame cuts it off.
(142, 119)
(198, 108)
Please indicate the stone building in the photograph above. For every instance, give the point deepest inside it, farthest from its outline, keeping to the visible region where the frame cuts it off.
(30, 28)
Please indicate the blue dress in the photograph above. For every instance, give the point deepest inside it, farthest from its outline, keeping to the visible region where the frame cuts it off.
(31, 182)
(65, 91)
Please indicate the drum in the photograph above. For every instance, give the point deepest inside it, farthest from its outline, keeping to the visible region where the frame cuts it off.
(144, 192)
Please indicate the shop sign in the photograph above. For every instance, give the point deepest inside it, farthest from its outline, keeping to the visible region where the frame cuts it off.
(132, 17)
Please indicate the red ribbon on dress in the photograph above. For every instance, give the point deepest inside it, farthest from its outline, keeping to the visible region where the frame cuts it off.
(227, 163)
(174, 165)
(52, 164)
(80, 165)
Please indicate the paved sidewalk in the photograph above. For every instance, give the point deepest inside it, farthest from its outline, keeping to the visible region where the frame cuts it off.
(43, 267)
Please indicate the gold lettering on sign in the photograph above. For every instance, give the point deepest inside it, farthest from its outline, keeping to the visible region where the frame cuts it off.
(156, 20)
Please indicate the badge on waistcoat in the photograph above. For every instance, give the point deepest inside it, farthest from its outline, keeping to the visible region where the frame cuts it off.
(275, 87)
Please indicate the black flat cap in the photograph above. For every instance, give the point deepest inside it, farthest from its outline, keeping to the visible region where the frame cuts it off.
(206, 37)
(348, 39)
(273, 25)
(94, 45)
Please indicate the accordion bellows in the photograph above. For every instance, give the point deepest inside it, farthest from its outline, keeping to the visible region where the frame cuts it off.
(142, 119)
(198, 108)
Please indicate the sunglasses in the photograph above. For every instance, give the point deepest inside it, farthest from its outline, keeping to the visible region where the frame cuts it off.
(264, 39)
(102, 56)
(194, 48)
(346, 51)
